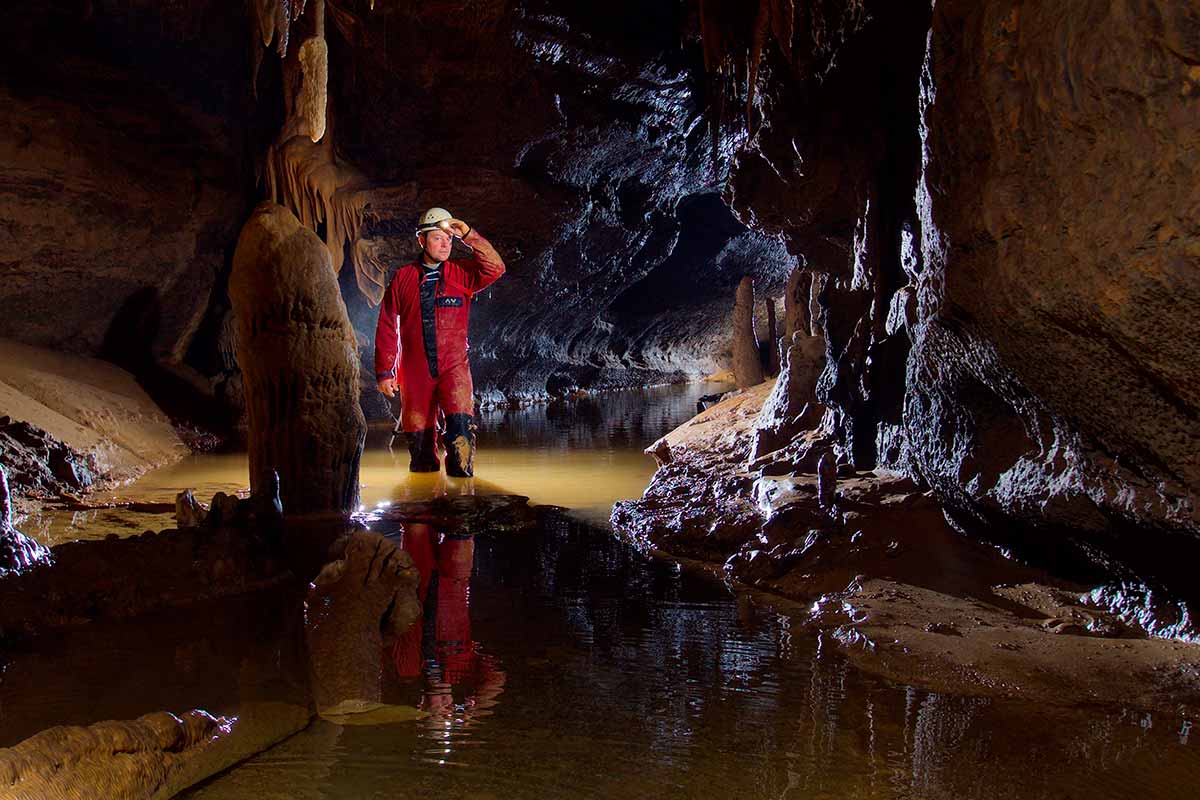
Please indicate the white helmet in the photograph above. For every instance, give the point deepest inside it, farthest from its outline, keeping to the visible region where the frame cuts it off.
(432, 219)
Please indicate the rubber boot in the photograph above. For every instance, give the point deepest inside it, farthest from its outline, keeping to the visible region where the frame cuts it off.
(460, 445)
(422, 449)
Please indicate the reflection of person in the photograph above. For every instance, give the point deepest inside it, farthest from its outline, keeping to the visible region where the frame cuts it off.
(442, 641)
(423, 319)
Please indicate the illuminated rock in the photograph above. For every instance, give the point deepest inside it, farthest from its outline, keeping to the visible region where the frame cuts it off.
(299, 361)
(17, 551)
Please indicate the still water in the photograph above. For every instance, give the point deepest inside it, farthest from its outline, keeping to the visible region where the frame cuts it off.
(559, 662)
(583, 455)
(570, 666)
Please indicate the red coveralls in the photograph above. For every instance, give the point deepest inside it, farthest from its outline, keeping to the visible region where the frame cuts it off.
(424, 319)
(441, 642)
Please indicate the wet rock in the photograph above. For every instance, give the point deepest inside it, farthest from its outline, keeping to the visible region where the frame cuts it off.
(76, 762)
(988, 332)
(70, 422)
(827, 480)
(17, 551)
(188, 511)
(368, 594)
(222, 511)
(40, 464)
(1076, 271)
(153, 757)
(299, 362)
(700, 504)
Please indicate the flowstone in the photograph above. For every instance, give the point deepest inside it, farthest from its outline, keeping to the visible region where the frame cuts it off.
(299, 360)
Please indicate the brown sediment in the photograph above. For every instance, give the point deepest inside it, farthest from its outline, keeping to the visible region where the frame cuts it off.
(884, 575)
(94, 409)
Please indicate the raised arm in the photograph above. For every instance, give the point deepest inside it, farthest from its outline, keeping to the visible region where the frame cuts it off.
(488, 266)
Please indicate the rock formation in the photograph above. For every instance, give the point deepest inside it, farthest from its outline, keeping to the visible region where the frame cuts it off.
(154, 757)
(984, 210)
(79, 763)
(1051, 382)
(368, 593)
(17, 551)
(747, 359)
(299, 360)
(68, 422)
(1002, 266)
(119, 205)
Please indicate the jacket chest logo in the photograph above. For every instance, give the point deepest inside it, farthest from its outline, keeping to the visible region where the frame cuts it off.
(449, 301)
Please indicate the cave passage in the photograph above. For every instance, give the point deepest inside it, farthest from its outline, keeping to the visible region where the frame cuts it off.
(833, 363)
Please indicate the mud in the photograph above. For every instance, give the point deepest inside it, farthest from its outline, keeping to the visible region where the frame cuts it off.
(878, 568)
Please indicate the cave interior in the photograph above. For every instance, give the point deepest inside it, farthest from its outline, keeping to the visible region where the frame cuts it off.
(898, 299)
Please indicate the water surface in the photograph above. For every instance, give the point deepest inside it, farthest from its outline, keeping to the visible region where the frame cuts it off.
(582, 454)
(574, 667)
(559, 662)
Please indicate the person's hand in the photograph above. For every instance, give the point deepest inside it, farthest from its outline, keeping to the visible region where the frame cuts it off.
(388, 386)
(456, 227)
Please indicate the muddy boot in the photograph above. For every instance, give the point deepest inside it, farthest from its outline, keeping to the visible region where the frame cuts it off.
(422, 449)
(460, 445)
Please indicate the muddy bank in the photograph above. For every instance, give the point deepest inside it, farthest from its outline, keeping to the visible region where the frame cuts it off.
(69, 424)
(873, 563)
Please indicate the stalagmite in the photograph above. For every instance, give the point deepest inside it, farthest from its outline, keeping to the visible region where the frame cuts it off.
(299, 359)
(747, 365)
(770, 354)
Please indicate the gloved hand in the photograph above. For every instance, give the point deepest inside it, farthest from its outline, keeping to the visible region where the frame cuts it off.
(388, 386)
(457, 227)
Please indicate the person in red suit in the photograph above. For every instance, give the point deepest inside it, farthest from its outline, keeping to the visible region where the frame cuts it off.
(439, 646)
(421, 342)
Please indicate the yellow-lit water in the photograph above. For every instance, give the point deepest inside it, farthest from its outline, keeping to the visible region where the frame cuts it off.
(583, 455)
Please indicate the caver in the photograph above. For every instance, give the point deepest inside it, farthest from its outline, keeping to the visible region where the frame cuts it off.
(421, 342)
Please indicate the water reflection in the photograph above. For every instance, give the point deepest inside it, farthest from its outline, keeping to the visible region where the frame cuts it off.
(460, 683)
(564, 664)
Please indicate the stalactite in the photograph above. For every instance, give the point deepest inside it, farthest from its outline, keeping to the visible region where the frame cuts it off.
(300, 171)
(761, 25)
(283, 24)
(733, 40)
(314, 65)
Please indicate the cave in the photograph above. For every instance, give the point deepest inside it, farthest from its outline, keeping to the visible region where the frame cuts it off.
(530, 398)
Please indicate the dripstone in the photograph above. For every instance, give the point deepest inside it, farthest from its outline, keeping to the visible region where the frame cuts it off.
(299, 362)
